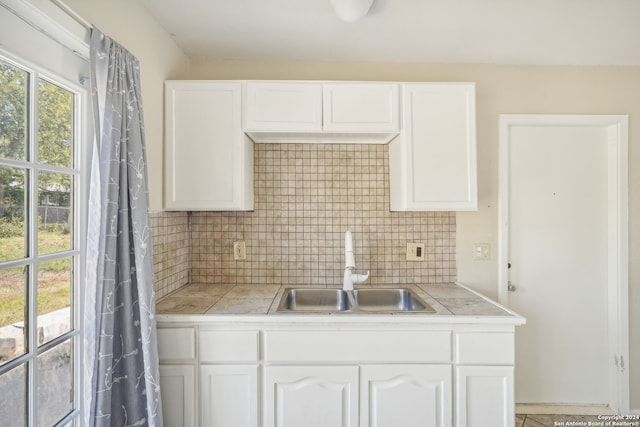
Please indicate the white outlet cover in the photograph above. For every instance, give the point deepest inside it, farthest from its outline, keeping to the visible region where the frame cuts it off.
(239, 251)
(482, 251)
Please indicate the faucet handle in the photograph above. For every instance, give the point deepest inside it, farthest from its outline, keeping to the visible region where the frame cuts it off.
(359, 278)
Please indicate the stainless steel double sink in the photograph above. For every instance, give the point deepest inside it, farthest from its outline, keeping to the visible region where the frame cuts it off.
(397, 300)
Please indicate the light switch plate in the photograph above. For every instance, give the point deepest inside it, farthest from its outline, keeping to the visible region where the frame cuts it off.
(415, 251)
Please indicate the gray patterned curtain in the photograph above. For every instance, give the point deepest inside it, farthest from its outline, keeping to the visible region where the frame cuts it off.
(121, 360)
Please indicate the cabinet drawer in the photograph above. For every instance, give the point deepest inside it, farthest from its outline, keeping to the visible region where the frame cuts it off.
(357, 346)
(484, 349)
(176, 343)
(234, 347)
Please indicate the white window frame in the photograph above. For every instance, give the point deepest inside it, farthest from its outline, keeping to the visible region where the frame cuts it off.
(78, 171)
(55, 23)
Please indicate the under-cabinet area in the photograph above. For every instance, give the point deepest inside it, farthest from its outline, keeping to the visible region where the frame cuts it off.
(212, 126)
(349, 373)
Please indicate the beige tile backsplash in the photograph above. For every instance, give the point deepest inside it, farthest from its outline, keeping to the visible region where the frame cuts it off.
(171, 251)
(306, 197)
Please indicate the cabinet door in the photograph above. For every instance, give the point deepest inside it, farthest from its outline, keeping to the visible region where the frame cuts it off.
(229, 395)
(311, 396)
(405, 395)
(432, 165)
(361, 107)
(283, 107)
(177, 388)
(484, 396)
(208, 160)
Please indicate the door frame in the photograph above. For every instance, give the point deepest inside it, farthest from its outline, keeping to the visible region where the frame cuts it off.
(618, 233)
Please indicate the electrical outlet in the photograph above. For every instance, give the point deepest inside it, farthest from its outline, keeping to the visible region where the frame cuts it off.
(482, 251)
(239, 251)
(415, 251)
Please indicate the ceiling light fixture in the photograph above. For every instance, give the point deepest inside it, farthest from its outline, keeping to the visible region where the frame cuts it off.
(351, 10)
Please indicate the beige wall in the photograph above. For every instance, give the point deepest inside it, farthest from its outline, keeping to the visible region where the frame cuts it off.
(131, 25)
(500, 89)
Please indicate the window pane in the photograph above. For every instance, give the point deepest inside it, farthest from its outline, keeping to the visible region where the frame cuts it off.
(13, 392)
(55, 125)
(13, 109)
(12, 213)
(54, 212)
(13, 287)
(54, 299)
(55, 384)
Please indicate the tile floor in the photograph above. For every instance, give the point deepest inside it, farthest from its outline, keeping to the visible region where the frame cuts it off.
(539, 420)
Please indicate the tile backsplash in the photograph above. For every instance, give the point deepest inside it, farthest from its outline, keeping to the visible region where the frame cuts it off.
(171, 251)
(306, 197)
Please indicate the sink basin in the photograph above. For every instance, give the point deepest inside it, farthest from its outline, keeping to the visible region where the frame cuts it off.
(389, 300)
(358, 301)
(323, 300)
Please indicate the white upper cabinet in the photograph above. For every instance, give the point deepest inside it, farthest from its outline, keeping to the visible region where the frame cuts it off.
(208, 159)
(211, 127)
(308, 112)
(283, 107)
(432, 165)
(361, 107)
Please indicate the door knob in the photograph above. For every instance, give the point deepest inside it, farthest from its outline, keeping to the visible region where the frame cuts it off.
(511, 287)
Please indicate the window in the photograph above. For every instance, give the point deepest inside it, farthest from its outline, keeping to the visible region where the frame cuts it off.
(40, 254)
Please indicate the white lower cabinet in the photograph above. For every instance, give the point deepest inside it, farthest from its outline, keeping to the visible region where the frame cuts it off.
(484, 396)
(336, 376)
(178, 385)
(311, 396)
(229, 395)
(405, 395)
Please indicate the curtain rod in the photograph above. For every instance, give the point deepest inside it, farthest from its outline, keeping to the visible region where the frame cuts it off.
(72, 14)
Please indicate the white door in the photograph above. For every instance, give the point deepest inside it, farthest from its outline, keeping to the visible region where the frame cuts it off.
(560, 196)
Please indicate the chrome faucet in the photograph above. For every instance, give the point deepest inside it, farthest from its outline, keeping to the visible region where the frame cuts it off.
(350, 278)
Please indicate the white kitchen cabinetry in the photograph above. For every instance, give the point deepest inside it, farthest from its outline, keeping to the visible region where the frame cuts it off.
(311, 396)
(484, 396)
(229, 378)
(321, 112)
(405, 395)
(283, 107)
(177, 352)
(211, 127)
(229, 395)
(432, 164)
(404, 377)
(484, 379)
(178, 384)
(343, 375)
(361, 107)
(208, 159)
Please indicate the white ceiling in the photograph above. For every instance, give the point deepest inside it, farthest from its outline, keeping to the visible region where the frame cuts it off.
(578, 32)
